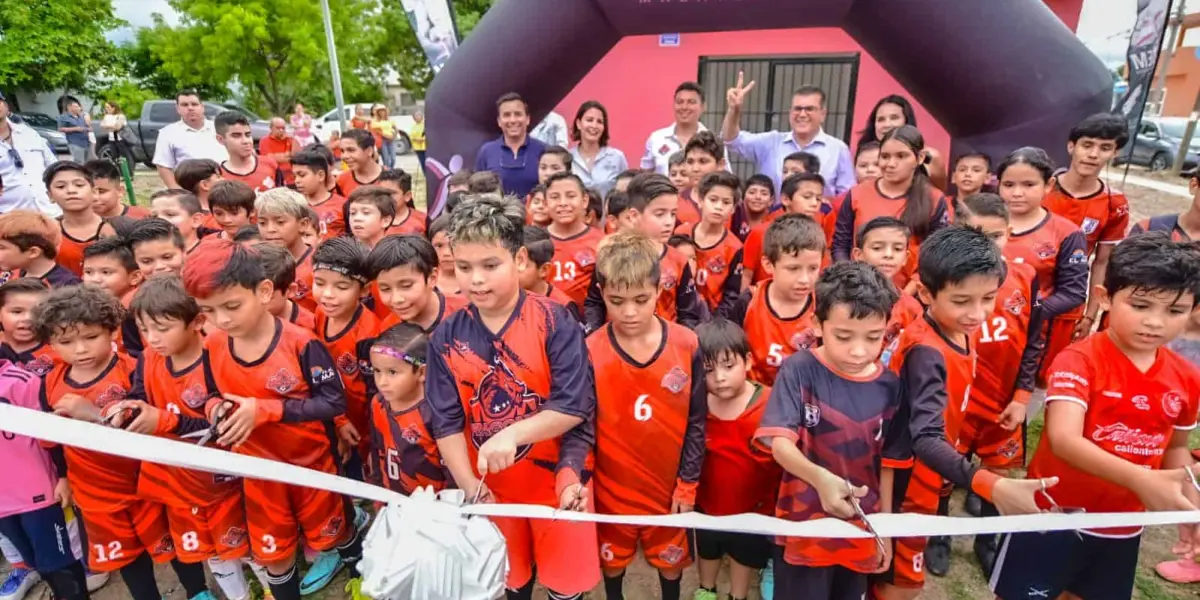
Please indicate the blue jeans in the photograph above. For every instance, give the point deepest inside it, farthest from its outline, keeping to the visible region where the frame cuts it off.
(388, 153)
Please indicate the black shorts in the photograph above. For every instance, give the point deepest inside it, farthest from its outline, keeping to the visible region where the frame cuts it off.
(41, 537)
(1044, 565)
(746, 549)
(796, 582)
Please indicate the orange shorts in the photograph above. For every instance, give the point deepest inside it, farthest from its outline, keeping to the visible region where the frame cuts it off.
(1058, 336)
(203, 532)
(922, 488)
(997, 448)
(564, 552)
(115, 539)
(665, 548)
(278, 514)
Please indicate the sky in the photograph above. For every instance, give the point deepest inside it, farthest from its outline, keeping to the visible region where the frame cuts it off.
(1104, 30)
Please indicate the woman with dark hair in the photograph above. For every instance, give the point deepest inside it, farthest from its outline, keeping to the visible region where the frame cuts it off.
(113, 123)
(592, 159)
(893, 111)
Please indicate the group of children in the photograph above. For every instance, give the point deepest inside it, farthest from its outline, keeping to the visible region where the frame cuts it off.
(691, 342)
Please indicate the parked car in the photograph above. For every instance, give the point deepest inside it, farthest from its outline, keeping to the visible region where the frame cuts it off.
(47, 127)
(157, 114)
(404, 123)
(1157, 144)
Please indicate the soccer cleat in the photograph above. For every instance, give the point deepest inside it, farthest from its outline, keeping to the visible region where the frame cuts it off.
(937, 556)
(973, 504)
(95, 581)
(205, 595)
(766, 582)
(703, 594)
(354, 588)
(323, 570)
(18, 583)
(985, 551)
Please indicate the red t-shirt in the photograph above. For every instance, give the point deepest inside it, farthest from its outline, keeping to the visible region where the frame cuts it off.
(1103, 216)
(573, 263)
(772, 338)
(270, 145)
(718, 268)
(264, 176)
(1130, 414)
(728, 459)
(1055, 248)
(70, 250)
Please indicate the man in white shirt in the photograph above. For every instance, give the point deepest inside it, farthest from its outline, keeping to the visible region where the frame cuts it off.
(24, 155)
(662, 143)
(192, 136)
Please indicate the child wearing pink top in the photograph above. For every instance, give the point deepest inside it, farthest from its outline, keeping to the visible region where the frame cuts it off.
(34, 494)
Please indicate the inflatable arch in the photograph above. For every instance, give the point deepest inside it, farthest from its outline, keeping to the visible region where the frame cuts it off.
(996, 74)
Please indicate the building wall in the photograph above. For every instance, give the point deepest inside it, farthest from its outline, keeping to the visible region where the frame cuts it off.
(1183, 82)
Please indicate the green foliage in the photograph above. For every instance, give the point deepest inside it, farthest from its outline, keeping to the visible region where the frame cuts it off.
(124, 93)
(48, 45)
(145, 67)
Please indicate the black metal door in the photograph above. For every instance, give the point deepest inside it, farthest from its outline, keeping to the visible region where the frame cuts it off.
(769, 104)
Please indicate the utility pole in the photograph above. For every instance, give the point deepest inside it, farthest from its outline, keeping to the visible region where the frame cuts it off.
(333, 65)
(1176, 23)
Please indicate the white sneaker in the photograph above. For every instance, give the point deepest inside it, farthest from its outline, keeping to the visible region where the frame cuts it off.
(96, 581)
(18, 583)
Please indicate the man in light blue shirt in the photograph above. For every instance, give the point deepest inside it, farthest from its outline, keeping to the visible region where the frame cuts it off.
(24, 155)
(769, 148)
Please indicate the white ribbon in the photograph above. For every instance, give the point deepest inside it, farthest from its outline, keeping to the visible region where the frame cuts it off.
(90, 436)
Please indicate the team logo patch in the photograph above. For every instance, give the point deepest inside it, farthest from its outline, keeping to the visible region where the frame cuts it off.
(40, 366)
(1089, 225)
(717, 265)
(1172, 404)
(318, 375)
(664, 149)
(164, 545)
(675, 380)
(233, 537)
(284, 381)
(1078, 257)
(669, 280)
(803, 340)
(585, 258)
(500, 400)
(1044, 250)
(347, 363)
(333, 527)
(1121, 210)
(194, 396)
(1010, 449)
(812, 414)
(1016, 303)
(1141, 402)
(411, 434)
(672, 554)
(112, 393)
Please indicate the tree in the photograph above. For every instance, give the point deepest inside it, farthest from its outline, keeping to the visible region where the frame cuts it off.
(399, 48)
(48, 45)
(273, 49)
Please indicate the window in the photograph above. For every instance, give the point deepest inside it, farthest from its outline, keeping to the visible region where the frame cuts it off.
(163, 112)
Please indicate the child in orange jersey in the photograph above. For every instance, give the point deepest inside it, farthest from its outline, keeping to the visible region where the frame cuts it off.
(777, 315)
(866, 163)
(1009, 347)
(405, 271)
(408, 219)
(801, 194)
(109, 263)
(1050, 243)
(280, 268)
(971, 174)
(554, 159)
(1119, 410)
(362, 158)
(181, 209)
(125, 532)
(703, 154)
(652, 206)
(198, 176)
(536, 211)
(735, 407)
(29, 243)
(313, 179)
(1079, 196)
(259, 173)
(883, 244)
(757, 206)
(960, 271)
(346, 327)
(404, 455)
(718, 264)
(677, 171)
(71, 187)
(832, 424)
(278, 387)
(232, 204)
(651, 405)
(535, 277)
(157, 247)
(370, 211)
(110, 189)
(282, 216)
(512, 394)
(574, 241)
(438, 236)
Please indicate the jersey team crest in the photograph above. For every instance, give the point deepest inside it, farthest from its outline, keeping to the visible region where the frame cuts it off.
(347, 363)
(585, 258)
(675, 380)
(501, 400)
(283, 381)
(1015, 303)
(802, 340)
(112, 393)
(1172, 404)
(1044, 250)
(1089, 225)
(194, 396)
(670, 279)
(717, 265)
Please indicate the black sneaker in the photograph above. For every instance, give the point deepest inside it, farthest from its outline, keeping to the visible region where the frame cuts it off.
(973, 504)
(985, 550)
(937, 556)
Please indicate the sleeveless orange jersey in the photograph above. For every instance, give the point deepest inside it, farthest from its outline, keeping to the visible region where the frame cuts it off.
(718, 268)
(264, 176)
(675, 282)
(347, 183)
(70, 250)
(573, 263)
(304, 282)
(864, 202)
(1055, 248)
(772, 338)
(302, 318)
(649, 422)
(1009, 345)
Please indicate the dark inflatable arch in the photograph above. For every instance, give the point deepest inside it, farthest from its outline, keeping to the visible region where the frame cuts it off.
(996, 74)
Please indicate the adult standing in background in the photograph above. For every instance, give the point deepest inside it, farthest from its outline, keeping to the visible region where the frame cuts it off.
(768, 149)
(385, 135)
(514, 155)
(662, 143)
(280, 146)
(894, 111)
(113, 123)
(192, 136)
(417, 136)
(552, 131)
(593, 160)
(24, 155)
(73, 124)
(301, 126)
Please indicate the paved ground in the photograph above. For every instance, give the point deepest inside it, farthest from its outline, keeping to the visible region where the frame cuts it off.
(964, 581)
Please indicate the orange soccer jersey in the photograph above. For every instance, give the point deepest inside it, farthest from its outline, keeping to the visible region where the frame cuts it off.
(718, 269)
(70, 250)
(298, 391)
(38, 360)
(412, 224)
(864, 202)
(677, 288)
(573, 263)
(347, 183)
(304, 281)
(728, 457)
(204, 509)
(1103, 216)
(772, 338)
(404, 455)
(349, 348)
(649, 441)
(331, 220)
(447, 305)
(119, 525)
(264, 176)
(302, 318)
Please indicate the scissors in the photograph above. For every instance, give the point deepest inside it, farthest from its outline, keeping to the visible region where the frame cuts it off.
(479, 490)
(212, 432)
(128, 416)
(858, 511)
(1055, 508)
(1192, 477)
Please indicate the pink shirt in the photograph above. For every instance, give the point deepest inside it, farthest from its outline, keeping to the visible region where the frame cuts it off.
(29, 475)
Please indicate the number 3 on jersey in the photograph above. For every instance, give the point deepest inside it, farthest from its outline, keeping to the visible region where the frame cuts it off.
(564, 270)
(993, 331)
